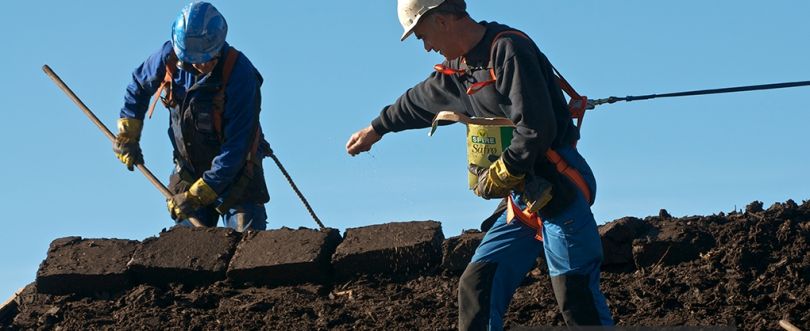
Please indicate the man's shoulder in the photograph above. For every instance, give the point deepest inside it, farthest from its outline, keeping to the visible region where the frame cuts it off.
(165, 50)
(513, 39)
(509, 43)
(244, 71)
(243, 62)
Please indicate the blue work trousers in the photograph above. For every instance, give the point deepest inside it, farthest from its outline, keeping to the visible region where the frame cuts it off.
(240, 218)
(573, 251)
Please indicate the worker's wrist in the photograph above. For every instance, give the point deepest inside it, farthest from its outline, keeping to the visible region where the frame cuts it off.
(506, 177)
(378, 127)
(202, 192)
(511, 165)
(129, 130)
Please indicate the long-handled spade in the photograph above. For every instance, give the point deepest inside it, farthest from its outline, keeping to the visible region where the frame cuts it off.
(162, 188)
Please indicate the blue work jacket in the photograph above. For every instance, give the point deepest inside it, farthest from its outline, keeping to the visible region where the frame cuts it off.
(239, 119)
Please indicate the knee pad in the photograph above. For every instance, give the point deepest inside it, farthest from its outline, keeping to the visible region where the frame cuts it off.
(474, 295)
(575, 300)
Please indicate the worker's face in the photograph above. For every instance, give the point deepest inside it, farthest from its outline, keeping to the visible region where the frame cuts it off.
(437, 33)
(205, 67)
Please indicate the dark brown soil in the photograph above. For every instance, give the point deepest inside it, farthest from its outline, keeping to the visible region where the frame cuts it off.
(745, 269)
(458, 251)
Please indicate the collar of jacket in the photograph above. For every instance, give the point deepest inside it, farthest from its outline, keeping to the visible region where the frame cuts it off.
(478, 56)
(213, 79)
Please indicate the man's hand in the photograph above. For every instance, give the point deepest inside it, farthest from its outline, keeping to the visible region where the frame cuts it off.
(129, 153)
(181, 205)
(362, 140)
(126, 146)
(495, 181)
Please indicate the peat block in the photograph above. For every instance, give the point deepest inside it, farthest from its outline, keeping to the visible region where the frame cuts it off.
(617, 242)
(458, 251)
(192, 256)
(672, 242)
(9, 309)
(284, 257)
(395, 249)
(76, 265)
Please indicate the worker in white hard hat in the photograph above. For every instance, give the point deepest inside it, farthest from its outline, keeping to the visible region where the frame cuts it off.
(492, 70)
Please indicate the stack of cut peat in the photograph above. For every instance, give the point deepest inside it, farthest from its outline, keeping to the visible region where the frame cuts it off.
(744, 269)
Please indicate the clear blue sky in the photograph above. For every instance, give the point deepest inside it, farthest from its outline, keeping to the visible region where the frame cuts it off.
(330, 66)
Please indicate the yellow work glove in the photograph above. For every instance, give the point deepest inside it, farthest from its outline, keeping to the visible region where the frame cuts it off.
(183, 204)
(495, 181)
(127, 146)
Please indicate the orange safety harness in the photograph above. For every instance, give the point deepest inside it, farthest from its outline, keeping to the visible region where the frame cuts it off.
(219, 100)
(577, 106)
(533, 220)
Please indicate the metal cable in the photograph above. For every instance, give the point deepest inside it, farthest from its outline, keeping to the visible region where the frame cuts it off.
(298, 192)
(593, 103)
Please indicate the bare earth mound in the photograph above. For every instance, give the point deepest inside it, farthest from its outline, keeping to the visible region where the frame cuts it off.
(743, 269)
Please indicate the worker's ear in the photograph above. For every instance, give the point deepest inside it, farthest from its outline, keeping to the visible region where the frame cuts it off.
(441, 22)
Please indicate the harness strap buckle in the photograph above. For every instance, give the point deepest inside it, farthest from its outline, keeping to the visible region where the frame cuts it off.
(531, 220)
(448, 71)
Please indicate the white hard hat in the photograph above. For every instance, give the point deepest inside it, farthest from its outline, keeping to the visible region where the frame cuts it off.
(410, 11)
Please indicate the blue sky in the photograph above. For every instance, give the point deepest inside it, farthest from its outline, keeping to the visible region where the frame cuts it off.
(330, 66)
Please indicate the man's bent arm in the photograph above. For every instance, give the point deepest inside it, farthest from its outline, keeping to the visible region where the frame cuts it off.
(145, 81)
(241, 120)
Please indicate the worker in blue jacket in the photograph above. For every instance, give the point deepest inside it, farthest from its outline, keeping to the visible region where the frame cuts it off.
(213, 95)
(492, 70)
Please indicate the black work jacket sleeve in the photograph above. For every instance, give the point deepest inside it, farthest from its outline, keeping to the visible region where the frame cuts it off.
(523, 82)
(416, 107)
